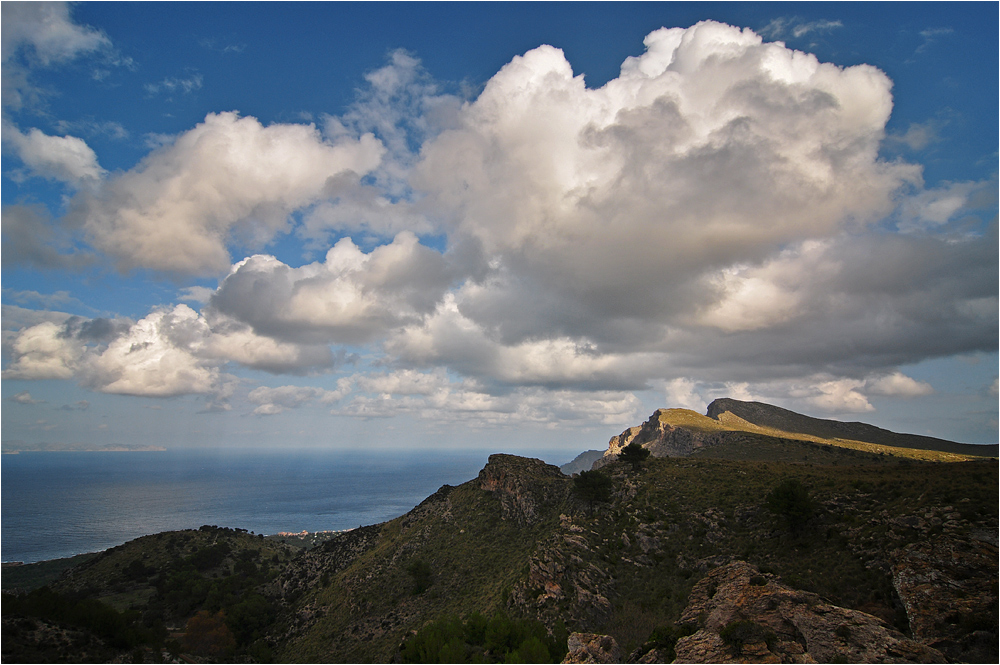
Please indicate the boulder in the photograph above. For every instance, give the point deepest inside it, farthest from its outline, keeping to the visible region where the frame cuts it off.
(592, 648)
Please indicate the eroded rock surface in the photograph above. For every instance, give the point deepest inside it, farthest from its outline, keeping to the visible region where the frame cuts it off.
(591, 648)
(782, 624)
(661, 439)
(523, 486)
(564, 581)
(949, 585)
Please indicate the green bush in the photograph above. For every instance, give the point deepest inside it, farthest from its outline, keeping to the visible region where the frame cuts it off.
(422, 576)
(498, 639)
(791, 501)
(739, 633)
(664, 639)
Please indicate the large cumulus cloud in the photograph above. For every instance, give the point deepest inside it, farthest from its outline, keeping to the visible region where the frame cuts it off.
(715, 211)
(228, 179)
(713, 148)
(351, 297)
(715, 220)
(172, 351)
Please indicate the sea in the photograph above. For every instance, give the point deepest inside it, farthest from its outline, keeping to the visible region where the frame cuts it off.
(59, 504)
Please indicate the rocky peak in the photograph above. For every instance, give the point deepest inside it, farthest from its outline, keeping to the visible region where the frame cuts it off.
(523, 486)
(661, 439)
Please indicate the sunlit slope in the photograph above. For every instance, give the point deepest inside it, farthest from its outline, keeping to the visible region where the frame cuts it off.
(727, 421)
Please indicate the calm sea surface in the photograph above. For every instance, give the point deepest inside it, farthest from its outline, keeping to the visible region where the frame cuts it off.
(60, 504)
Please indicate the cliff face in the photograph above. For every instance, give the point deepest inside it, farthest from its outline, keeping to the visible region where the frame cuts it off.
(661, 439)
(523, 486)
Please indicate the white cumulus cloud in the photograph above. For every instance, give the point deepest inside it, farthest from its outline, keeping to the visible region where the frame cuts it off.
(227, 179)
(65, 158)
(898, 384)
(350, 297)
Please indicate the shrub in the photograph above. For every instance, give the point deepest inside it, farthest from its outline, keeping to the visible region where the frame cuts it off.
(739, 633)
(791, 501)
(497, 639)
(422, 577)
(664, 639)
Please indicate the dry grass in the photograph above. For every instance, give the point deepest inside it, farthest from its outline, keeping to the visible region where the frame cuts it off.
(728, 422)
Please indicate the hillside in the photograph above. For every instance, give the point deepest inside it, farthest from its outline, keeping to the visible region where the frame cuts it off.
(767, 415)
(757, 547)
(777, 434)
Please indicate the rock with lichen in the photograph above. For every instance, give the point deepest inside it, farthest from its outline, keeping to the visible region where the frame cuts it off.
(745, 616)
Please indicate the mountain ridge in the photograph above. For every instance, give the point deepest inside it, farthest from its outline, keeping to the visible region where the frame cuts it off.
(684, 555)
(768, 415)
(744, 429)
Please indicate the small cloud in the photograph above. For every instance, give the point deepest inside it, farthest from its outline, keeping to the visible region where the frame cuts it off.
(110, 129)
(215, 45)
(803, 29)
(200, 294)
(683, 393)
(154, 141)
(173, 85)
(47, 300)
(65, 158)
(24, 397)
(796, 27)
(994, 388)
(81, 405)
(272, 401)
(898, 384)
(931, 36)
(917, 136)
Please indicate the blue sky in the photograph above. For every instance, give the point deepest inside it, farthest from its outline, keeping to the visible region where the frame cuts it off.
(493, 225)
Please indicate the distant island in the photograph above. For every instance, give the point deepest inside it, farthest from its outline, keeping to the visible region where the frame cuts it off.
(16, 447)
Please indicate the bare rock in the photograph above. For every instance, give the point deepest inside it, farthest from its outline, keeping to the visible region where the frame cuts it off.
(592, 648)
(523, 486)
(745, 616)
(661, 439)
(948, 588)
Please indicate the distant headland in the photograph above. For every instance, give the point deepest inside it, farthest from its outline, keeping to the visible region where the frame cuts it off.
(16, 447)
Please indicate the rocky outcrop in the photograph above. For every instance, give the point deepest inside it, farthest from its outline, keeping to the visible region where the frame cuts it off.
(744, 616)
(523, 486)
(591, 648)
(949, 589)
(565, 582)
(331, 557)
(661, 439)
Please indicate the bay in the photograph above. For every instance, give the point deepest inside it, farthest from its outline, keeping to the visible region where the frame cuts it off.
(58, 504)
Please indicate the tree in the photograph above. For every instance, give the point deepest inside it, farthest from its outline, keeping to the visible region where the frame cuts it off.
(592, 487)
(791, 501)
(634, 454)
